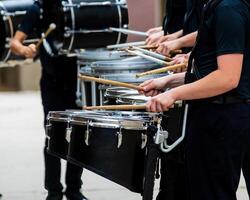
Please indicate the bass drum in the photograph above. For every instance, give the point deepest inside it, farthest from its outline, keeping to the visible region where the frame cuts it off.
(84, 23)
(11, 15)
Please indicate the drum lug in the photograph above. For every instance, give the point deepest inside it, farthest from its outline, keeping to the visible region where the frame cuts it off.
(161, 136)
(87, 134)
(47, 130)
(144, 139)
(119, 137)
(68, 134)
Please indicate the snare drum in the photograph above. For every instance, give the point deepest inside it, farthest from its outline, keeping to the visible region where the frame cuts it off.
(123, 96)
(58, 132)
(84, 58)
(123, 71)
(112, 145)
(11, 15)
(85, 23)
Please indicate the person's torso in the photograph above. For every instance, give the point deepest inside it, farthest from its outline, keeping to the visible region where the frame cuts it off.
(205, 55)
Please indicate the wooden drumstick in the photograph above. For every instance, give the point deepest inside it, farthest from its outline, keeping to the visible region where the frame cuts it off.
(110, 82)
(51, 28)
(161, 70)
(147, 57)
(116, 107)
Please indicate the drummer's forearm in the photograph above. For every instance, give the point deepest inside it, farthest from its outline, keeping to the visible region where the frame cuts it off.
(188, 40)
(16, 44)
(175, 80)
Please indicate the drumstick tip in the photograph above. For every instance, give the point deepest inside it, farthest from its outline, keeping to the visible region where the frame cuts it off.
(52, 26)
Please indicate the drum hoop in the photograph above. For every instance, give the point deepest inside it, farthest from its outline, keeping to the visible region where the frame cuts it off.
(73, 19)
(120, 22)
(11, 29)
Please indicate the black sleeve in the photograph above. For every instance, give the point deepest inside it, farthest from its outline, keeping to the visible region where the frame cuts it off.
(230, 29)
(31, 20)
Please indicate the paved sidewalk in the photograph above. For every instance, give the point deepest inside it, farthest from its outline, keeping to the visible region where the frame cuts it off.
(21, 163)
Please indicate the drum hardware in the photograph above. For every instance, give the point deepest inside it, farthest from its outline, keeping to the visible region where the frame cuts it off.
(147, 57)
(83, 4)
(51, 28)
(12, 14)
(87, 133)
(48, 129)
(144, 139)
(127, 31)
(162, 70)
(68, 131)
(153, 54)
(119, 137)
(110, 82)
(164, 145)
(126, 45)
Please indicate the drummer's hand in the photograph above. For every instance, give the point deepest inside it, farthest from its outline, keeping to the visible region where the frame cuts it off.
(29, 51)
(166, 47)
(180, 59)
(154, 37)
(165, 38)
(161, 102)
(154, 30)
(153, 87)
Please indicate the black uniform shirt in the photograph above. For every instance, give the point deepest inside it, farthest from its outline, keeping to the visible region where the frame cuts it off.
(225, 31)
(193, 15)
(175, 11)
(58, 66)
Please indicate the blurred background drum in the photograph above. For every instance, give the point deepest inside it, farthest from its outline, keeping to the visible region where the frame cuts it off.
(85, 23)
(11, 15)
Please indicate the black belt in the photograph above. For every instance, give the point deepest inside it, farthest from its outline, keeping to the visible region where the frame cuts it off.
(230, 100)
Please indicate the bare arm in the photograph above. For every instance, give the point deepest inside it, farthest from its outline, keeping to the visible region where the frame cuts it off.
(18, 48)
(222, 80)
(185, 41)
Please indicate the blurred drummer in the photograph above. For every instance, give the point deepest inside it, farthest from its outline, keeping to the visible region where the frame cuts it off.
(58, 87)
(219, 97)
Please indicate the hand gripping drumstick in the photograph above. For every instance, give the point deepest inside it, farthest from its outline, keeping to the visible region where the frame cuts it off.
(161, 70)
(110, 82)
(116, 107)
(51, 28)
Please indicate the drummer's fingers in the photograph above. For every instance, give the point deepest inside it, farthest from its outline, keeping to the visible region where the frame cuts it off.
(146, 83)
(32, 47)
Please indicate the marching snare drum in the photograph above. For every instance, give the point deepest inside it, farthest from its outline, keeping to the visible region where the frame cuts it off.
(85, 23)
(86, 57)
(121, 70)
(123, 96)
(58, 131)
(11, 15)
(112, 145)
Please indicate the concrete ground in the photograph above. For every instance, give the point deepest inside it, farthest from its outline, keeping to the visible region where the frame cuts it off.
(21, 158)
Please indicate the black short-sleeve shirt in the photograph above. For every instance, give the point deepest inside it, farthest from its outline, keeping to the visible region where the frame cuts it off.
(57, 65)
(175, 12)
(193, 15)
(225, 31)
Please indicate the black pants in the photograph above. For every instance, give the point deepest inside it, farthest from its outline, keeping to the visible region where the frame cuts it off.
(173, 183)
(217, 144)
(173, 178)
(58, 93)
